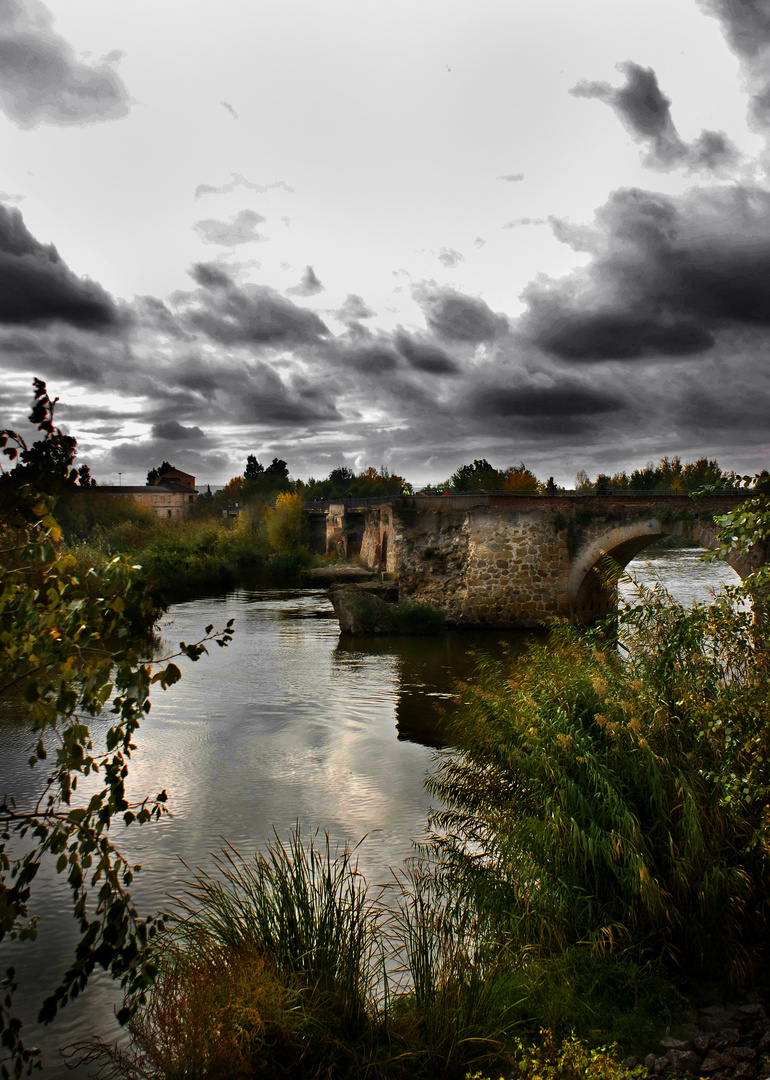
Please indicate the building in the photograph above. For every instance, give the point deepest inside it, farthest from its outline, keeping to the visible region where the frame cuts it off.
(176, 478)
(172, 495)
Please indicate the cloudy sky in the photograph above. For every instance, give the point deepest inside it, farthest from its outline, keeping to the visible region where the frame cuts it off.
(404, 234)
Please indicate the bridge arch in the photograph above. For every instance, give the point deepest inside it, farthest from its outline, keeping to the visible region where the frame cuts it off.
(590, 599)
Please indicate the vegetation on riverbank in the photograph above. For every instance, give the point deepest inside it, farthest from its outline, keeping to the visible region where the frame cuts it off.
(603, 846)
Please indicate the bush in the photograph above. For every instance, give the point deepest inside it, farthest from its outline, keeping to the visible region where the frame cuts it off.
(413, 617)
(617, 797)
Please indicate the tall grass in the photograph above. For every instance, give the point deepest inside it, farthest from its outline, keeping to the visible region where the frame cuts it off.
(284, 965)
(304, 908)
(619, 798)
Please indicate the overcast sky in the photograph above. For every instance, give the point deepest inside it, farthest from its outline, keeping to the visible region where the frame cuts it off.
(406, 234)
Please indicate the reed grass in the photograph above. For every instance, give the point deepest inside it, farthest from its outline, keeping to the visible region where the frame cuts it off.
(619, 799)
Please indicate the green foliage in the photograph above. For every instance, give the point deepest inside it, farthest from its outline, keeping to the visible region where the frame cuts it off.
(619, 798)
(670, 474)
(571, 1060)
(368, 484)
(67, 654)
(89, 515)
(71, 656)
(745, 528)
(373, 615)
(606, 996)
(477, 476)
(414, 617)
(286, 525)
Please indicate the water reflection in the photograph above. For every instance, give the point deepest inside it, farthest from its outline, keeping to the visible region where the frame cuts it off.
(426, 671)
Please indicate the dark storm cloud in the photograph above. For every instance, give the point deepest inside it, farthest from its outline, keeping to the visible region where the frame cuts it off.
(424, 356)
(746, 24)
(210, 276)
(236, 182)
(609, 335)
(646, 113)
(267, 399)
(240, 229)
(370, 356)
(308, 286)
(245, 315)
(556, 403)
(456, 317)
(37, 286)
(173, 430)
(353, 309)
(41, 78)
(667, 275)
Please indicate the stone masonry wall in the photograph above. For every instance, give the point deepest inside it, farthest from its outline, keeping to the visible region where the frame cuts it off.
(484, 566)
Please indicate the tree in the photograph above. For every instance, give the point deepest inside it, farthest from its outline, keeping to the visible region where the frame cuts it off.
(286, 524)
(154, 475)
(478, 475)
(520, 479)
(71, 658)
(582, 483)
(253, 468)
(233, 489)
(277, 467)
(47, 463)
(84, 477)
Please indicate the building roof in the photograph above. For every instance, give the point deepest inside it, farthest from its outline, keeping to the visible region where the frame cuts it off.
(136, 489)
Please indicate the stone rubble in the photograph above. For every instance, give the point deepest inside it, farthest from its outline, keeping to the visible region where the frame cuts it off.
(729, 1041)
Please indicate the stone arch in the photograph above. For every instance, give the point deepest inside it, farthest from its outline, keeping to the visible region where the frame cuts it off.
(590, 599)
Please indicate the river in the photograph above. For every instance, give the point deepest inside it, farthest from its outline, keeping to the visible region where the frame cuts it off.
(290, 723)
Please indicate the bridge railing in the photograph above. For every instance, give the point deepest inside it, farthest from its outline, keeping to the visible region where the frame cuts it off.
(351, 502)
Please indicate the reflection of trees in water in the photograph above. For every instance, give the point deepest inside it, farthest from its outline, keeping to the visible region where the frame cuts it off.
(428, 669)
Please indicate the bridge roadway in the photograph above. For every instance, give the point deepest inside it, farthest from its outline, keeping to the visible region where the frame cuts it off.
(512, 560)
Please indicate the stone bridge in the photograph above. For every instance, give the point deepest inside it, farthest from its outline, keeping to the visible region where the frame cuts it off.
(504, 560)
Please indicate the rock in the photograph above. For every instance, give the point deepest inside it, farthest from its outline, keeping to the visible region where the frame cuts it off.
(673, 1044)
(710, 1064)
(360, 610)
(754, 1010)
(728, 1036)
(703, 1043)
(685, 1060)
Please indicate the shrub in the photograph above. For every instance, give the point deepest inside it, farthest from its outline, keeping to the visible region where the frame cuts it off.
(616, 797)
(286, 524)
